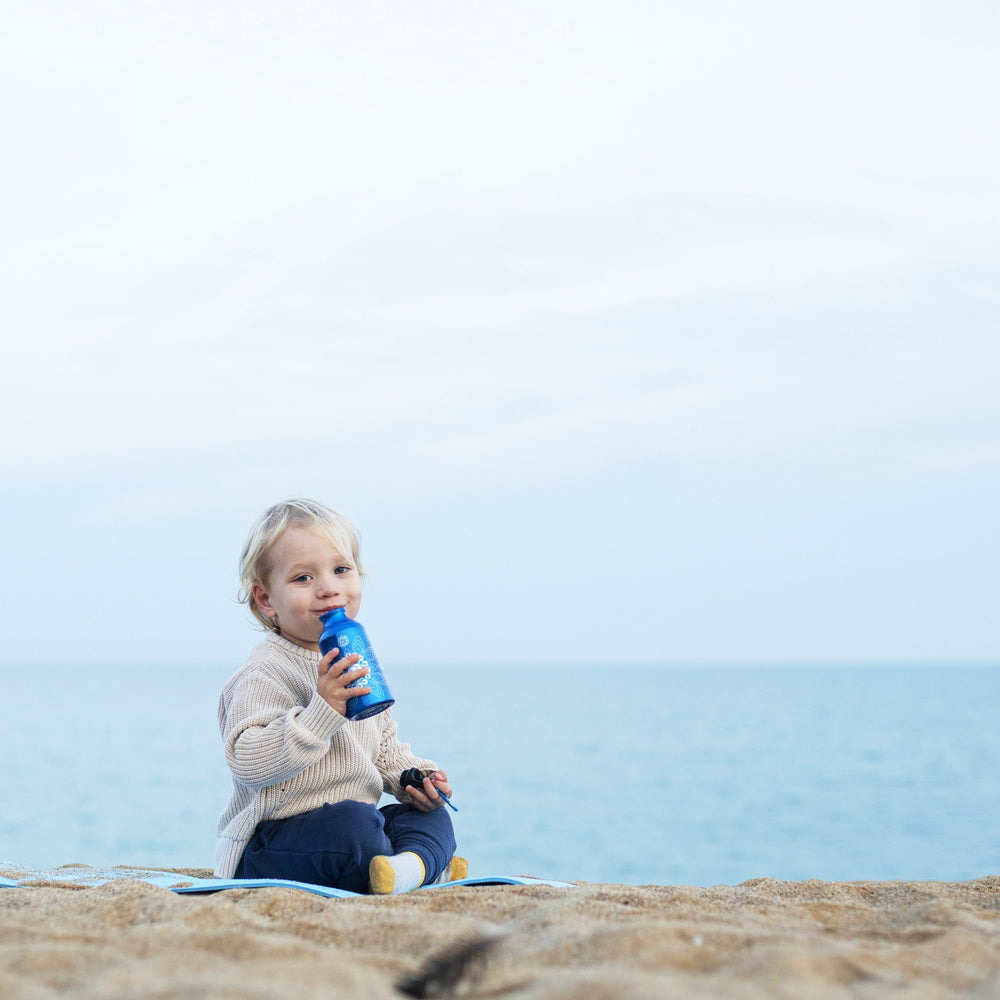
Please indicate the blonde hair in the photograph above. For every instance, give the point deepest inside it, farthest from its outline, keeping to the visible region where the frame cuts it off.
(270, 526)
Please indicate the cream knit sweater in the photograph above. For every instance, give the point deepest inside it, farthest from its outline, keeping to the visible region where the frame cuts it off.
(290, 752)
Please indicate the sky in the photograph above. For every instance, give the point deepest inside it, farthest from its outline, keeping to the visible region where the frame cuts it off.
(625, 333)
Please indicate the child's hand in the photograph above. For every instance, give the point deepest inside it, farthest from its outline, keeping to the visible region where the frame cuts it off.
(332, 683)
(426, 798)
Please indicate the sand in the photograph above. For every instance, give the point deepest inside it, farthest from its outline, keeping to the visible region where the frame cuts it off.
(763, 938)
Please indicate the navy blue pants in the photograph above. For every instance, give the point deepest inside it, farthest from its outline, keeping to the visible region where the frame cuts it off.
(332, 845)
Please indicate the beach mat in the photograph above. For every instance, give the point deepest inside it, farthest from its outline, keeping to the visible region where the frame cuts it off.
(79, 876)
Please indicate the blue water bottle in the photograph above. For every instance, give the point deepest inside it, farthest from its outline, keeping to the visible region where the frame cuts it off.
(350, 637)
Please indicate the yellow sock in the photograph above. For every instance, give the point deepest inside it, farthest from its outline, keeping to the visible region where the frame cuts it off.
(458, 868)
(392, 875)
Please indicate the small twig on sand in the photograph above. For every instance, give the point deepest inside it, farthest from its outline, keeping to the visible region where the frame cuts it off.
(458, 964)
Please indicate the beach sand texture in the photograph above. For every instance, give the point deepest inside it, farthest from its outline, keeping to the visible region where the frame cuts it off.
(760, 939)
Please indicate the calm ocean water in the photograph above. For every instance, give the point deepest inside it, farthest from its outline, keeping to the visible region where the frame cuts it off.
(703, 776)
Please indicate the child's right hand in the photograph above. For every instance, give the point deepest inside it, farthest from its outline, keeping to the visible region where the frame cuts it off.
(333, 681)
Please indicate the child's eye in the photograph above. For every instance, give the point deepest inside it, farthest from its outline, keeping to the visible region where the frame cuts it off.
(302, 578)
(340, 570)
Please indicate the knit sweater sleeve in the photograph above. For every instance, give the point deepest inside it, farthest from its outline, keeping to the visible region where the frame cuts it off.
(274, 724)
(393, 757)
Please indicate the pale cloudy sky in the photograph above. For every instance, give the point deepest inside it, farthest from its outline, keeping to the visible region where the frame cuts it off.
(625, 332)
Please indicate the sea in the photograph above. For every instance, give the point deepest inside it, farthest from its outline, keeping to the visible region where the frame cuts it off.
(638, 774)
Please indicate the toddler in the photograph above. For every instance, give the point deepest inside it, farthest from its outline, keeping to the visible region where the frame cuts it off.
(305, 781)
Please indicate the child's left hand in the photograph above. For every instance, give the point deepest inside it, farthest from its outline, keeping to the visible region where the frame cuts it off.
(426, 799)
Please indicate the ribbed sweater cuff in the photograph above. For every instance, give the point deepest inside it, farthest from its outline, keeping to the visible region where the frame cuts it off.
(319, 718)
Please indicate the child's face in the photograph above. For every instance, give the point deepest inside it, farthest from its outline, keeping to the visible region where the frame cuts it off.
(306, 577)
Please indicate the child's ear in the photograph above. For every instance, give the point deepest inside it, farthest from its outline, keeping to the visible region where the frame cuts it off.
(262, 601)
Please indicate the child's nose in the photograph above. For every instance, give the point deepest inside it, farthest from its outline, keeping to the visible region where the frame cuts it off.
(329, 584)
